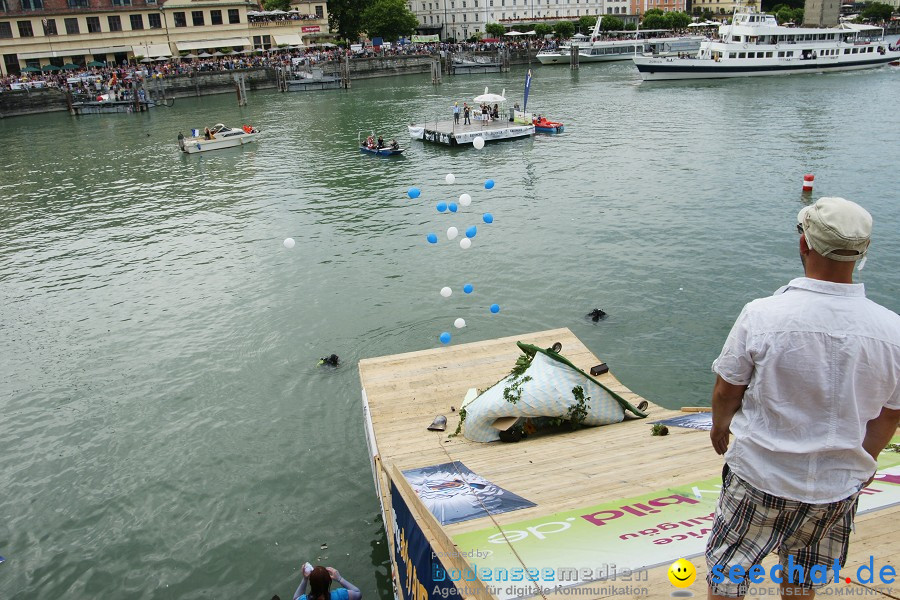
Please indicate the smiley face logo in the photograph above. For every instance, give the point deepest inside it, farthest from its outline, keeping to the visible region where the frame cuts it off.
(682, 573)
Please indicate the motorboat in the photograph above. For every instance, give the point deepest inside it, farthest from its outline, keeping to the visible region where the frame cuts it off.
(621, 45)
(753, 44)
(216, 138)
(544, 125)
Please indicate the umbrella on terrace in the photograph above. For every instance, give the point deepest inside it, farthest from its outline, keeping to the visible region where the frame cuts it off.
(50, 68)
(70, 67)
(190, 56)
(204, 55)
(147, 60)
(217, 53)
(31, 70)
(96, 63)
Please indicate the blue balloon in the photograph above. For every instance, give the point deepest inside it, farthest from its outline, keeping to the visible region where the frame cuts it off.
(453, 207)
(432, 239)
(468, 288)
(495, 308)
(488, 184)
(445, 337)
(471, 231)
(488, 218)
(441, 206)
(414, 192)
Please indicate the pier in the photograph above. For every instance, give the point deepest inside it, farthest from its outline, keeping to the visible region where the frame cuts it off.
(613, 502)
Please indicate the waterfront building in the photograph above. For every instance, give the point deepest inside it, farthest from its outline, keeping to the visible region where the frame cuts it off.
(716, 7)
(821, 13)
(461, 19)
(35, 33)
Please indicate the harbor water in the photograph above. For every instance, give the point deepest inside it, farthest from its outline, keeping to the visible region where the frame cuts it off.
(166, 431)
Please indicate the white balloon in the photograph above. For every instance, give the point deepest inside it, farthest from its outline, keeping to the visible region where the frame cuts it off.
(452, 233)
(478, 143)
(289, 243)
(445, 292)
(465, 200)
(465, 243)
(450, 178)
(459, 323)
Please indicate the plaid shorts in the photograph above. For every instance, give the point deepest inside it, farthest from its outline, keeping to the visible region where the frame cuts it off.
(750, 523)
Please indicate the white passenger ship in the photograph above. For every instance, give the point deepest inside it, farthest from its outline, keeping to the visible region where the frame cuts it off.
(622, 46)
(754, 45)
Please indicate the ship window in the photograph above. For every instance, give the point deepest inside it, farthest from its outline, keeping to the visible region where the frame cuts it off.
(781, 55)
(768, 55)
(742, 55)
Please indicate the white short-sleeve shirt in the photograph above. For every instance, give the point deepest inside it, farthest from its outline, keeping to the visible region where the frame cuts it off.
(820, 361)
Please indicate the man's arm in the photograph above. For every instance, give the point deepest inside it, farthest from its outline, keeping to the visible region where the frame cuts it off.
(726, 401)
(880, 430)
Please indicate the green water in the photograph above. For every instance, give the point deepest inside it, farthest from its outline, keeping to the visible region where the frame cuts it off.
(165, 431)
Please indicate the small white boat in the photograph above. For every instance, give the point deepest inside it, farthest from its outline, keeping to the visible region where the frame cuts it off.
(755, 45)
(217, 138)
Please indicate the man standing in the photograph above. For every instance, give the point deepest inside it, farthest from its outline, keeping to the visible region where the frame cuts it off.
(466, 112)
(456, 112)
(809, 384)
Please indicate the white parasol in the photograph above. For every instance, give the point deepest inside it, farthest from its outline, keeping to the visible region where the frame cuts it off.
(486, 97)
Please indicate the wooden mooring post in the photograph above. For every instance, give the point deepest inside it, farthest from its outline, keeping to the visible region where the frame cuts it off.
(573, 57)
(345, 72)
(241, 88)
(436, 70)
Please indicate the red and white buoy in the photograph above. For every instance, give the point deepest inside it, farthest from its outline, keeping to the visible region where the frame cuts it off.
(808, 182)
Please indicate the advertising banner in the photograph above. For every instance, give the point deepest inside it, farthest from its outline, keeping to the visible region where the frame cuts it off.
(416, 562)
(641, 532)
(454, 494)
(702, 421)
(310, 28)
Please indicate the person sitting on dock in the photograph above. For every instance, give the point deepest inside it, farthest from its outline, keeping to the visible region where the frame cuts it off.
(380, 143)
(319, 580)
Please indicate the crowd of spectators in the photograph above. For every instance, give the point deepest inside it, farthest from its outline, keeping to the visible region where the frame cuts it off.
(122, 75)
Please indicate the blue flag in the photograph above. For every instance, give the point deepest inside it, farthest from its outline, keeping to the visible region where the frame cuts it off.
(527, 89)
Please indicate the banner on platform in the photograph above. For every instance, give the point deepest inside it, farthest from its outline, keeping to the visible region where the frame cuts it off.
(453, 493)
(636, 533)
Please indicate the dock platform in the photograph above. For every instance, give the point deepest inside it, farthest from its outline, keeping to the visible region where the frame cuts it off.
(614, 503)
(457, 134)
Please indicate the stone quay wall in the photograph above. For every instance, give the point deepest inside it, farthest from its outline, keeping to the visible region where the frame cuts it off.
(203, 83)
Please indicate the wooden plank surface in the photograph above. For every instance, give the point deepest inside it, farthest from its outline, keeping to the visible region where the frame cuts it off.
(557, 472)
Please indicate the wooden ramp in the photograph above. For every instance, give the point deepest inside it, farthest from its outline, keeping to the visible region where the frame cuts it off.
(557, 472)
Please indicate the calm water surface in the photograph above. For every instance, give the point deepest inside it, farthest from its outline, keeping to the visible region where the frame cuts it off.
(165, 431)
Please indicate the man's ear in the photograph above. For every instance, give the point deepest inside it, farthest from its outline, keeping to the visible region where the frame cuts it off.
(804, 245)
